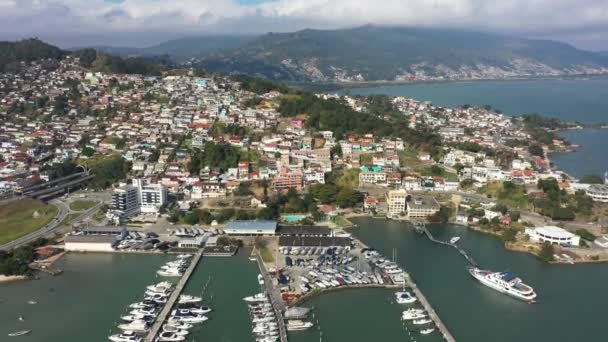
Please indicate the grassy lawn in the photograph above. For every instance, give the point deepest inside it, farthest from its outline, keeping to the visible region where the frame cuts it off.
(427, 172)
(16, 218)
(515, 197)
(266, 254)
(409, 158)
(341, 221)
(82, 205)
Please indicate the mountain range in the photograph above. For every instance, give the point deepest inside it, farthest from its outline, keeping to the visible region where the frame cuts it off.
(182, 48)
(372, 53)
(362, 54)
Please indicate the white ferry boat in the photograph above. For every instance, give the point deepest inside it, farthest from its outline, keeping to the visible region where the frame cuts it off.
(505, 282)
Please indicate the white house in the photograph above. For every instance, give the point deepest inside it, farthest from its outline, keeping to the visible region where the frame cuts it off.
(553, 235)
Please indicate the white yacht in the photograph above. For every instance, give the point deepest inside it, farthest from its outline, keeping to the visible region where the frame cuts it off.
(186, 299)
(427, 331)
(422, 321)
(187, 319)
(127, 336)
(454, 239)
(260, 279)
(136, 326)
(167, 336)
(412, 316)
(295, 325)
(260, 297)
(161, 287)
(404, 297)
(171, 272)
(505, 282)
(179, 325)
(184, 256)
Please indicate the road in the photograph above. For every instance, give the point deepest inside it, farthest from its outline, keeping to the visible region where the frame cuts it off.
(63, 210)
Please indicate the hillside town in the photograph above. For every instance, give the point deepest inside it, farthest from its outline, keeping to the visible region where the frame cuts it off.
(182, 149)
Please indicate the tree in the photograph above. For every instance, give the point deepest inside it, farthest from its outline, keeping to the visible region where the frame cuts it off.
(536, 150)
(348, 198)
(546, 252)
(88, 152)
(585, 234)
(508, 235)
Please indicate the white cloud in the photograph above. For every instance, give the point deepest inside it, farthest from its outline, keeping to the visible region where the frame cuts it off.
(549, 18)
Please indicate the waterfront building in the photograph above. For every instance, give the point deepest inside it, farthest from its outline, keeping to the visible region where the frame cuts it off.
(598, 192)
(553, 235)
(130, 200)
(251, 227)
(422, 207)
(397, 202)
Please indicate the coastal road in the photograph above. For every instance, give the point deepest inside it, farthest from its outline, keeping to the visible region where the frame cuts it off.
(63, 210)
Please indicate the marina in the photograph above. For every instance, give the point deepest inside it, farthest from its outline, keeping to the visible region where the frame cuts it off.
(231, 279)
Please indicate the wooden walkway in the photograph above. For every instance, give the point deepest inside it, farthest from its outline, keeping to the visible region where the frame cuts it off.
(429, 309)
(445, 243)
(162, 317)
(278, 305)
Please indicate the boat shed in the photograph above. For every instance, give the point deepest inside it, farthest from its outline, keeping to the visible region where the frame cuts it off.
(311, 241)
(251, 227)
(303, 231)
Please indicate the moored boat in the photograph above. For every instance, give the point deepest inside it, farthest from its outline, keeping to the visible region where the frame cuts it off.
(504, 282)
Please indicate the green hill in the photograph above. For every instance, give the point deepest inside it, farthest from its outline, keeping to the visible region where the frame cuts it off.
(28, 50)
(372, 53)
(183, 48)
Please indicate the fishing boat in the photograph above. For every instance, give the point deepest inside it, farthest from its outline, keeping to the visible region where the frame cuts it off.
(504, 282)
(19, 333)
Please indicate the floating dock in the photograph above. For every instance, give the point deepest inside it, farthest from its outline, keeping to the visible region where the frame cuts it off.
(429, 309)
(162, 317)
(426, 231)
(278, 305)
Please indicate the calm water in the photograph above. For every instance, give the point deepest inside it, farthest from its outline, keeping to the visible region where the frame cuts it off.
(572, 298)
(568, 99)
(83, 303)
(590, 158)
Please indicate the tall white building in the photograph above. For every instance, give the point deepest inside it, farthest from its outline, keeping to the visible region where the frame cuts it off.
(151, 196)
(130, 200)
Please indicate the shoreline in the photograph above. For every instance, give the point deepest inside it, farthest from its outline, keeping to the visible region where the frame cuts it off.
(338, 86)
(12, 278)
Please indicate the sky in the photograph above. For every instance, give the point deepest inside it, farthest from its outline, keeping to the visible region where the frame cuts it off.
(138, 23)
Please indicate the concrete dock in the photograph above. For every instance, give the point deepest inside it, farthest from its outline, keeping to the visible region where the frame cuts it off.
(429, 309)
(278, 305)
(162, 317)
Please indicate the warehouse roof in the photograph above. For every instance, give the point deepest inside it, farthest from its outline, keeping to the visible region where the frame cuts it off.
(251, 227)
(304, 230)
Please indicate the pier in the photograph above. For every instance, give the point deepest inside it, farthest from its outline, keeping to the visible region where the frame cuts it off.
(162, 317)
(429, 309)
(278, 305)
(426, 231)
